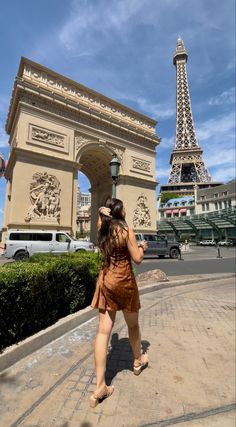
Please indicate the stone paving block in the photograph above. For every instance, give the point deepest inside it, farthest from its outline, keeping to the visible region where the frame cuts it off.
(189, 336)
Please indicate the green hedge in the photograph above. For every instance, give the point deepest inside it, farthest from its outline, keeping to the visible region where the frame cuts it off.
(37, 292)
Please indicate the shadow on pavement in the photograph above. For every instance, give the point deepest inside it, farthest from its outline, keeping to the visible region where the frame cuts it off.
(120, 356)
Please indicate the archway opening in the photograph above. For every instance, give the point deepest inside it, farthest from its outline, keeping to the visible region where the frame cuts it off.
(94, 175)
(83, 208)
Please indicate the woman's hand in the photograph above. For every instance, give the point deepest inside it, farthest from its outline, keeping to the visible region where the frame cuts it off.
(104, 211)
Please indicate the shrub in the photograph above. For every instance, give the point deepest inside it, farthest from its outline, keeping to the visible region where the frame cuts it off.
(34, 293)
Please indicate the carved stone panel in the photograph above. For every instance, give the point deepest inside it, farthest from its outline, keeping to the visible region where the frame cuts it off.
(142, 165)
(47, 138)
(142, 217)
(45, 198)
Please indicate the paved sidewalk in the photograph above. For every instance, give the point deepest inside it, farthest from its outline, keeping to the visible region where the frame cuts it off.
(188, 332)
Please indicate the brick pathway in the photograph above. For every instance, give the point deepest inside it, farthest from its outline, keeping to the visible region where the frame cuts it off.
(188, 332)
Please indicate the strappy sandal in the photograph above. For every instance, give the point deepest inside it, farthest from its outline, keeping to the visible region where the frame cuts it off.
(137, 369)
(96, 397)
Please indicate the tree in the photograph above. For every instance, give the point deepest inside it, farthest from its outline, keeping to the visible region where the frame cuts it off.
(167, 196)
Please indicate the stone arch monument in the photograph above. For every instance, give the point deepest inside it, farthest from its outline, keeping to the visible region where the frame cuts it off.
(57, 127)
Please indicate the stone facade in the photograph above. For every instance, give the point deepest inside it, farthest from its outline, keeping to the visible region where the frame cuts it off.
(58, 127)
(217, 198)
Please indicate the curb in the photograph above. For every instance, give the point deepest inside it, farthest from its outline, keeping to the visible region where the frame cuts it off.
(173, 283)
(16, 352)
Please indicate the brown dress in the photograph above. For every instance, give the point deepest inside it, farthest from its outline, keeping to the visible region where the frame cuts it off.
(116, 287)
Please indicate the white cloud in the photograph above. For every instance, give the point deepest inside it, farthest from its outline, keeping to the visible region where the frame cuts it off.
(90, 23)
(226, 97)
(217, 139)
(162, 172)
(159, 111)
(220, 129)
(167, 143)
(223, 174)
(155, 110)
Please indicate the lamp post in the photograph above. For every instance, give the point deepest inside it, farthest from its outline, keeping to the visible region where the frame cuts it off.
(114, 170)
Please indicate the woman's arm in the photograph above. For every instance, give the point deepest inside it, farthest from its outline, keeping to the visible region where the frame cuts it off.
(135, 251)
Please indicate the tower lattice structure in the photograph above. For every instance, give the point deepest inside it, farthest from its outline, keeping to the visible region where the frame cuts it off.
(186, 157)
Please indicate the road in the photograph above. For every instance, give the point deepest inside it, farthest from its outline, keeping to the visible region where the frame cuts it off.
(198, 260)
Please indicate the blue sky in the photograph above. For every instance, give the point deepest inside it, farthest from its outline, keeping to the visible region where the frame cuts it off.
(124, 49)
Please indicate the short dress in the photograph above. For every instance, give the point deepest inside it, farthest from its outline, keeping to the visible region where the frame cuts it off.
(116, 287)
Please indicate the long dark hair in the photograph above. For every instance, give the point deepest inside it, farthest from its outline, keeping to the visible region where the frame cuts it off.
(108, 231)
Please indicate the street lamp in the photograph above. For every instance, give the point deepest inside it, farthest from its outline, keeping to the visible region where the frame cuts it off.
(114, 170)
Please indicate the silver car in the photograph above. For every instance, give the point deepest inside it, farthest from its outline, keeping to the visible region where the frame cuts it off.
(225, 243)
(21, 244)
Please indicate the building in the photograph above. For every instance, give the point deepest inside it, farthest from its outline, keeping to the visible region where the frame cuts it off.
(177, 207)
(83, 199)
(216, 199)
(213, 215)
(83, 213)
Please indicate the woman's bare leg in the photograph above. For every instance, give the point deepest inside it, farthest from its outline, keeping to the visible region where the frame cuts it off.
(106, 322)
(134, 333)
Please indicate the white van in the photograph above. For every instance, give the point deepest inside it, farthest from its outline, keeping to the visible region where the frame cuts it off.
(21, 244)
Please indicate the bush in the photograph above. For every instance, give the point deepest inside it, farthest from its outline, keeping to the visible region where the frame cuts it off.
(34, 293)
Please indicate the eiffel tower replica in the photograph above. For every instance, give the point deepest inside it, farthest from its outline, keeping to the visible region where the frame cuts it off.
(188, 170)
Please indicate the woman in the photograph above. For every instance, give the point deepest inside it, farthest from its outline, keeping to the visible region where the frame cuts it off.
(116, 289)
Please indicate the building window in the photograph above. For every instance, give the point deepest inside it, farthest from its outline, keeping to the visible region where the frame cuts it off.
(202, 197)
(216, 206)
(183, 214)
(162, 214)
(225, 193)
(207, 206)
(225, 204)
(215, 195)
(220, 205)
(168, 215)
(203, 206)
(229, 203)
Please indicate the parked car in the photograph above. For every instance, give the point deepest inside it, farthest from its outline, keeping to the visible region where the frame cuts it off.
(159, 246)
(225, 243)
(207, 243)
(21, 244)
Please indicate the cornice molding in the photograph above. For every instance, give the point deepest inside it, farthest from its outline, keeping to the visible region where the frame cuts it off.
(35, 102)
(23, 153)
(44, 83)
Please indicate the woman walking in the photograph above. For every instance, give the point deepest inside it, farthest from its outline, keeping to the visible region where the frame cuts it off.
(116, 289)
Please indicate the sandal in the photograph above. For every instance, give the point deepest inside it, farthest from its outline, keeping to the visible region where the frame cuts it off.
(143, 362)
(96, 397)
